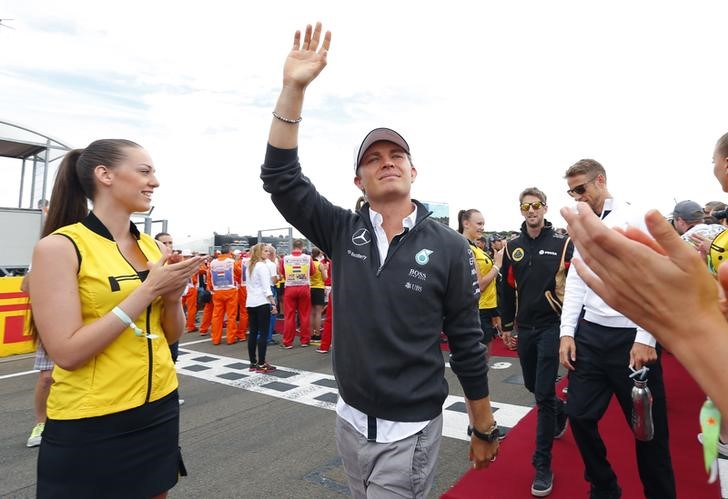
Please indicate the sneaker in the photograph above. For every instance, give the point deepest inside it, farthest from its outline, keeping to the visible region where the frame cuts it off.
(265, 368)
(562, 423)
(315, 342)
(272, 342)
(181, 401)
(543, 483)
(287, 347)
(253, 367)
(305, 344)
(319, 350)
(722, 447)
(35, 435)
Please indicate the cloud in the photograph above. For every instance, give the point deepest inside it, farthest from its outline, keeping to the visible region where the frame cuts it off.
(491, 97)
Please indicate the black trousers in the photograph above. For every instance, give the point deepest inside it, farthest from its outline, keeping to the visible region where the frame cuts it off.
(601, 369)
(538, 351)
(258, 324)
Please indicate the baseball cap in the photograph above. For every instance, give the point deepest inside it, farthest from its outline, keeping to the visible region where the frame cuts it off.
(379, 134)
(690, 211)
(496, 237)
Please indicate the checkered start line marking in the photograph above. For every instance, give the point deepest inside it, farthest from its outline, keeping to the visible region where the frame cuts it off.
(319, 390)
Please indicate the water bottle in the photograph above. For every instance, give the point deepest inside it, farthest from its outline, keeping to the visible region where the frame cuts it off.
(642, 425)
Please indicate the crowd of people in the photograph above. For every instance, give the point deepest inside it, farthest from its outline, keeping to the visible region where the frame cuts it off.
(110, 304)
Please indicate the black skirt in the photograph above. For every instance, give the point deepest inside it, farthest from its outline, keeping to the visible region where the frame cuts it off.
(318, 296)
(129, 454)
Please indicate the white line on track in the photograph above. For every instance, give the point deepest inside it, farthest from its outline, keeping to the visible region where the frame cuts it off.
(19, 374)
(203, 340)
(305, 389)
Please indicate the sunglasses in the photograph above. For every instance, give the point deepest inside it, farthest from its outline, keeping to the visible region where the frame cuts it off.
(537, 205)
(580, 189)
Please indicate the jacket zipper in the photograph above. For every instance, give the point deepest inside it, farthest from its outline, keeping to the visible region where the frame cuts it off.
(149, 352)
(148, 324)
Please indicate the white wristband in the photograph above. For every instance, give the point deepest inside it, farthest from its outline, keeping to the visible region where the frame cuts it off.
(497, 268)
(130, 323)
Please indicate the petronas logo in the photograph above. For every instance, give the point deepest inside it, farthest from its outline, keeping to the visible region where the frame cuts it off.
(423, 257)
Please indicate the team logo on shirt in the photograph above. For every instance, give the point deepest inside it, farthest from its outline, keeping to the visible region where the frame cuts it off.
(423, 256)
(361, 237)
(518, 254)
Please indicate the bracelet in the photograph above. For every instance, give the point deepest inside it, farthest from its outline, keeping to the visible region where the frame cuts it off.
(130, 323)
(497, 268)
(287, 120)
(127, 321)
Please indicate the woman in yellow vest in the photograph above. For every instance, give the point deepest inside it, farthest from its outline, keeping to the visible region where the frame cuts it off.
(106, 304)
(471, 225)
(318, 294)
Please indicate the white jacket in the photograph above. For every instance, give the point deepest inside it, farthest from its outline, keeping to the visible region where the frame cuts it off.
(579, 295)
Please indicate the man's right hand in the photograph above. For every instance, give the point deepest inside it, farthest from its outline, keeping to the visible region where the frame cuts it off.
(567, 352)
(306, 61)
(509, 340)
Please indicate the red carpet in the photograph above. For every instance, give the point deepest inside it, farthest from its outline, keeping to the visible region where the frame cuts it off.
(497, 349)
(511, 475)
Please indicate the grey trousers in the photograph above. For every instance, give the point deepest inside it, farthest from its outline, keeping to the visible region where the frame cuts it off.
(398, 469)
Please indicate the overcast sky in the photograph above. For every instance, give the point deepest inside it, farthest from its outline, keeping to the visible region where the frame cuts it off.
(493, 97)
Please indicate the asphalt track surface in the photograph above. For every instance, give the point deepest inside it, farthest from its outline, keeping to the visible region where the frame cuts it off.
(247, 435)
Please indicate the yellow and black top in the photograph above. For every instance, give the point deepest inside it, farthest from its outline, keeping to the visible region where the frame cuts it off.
(132, 370)
(718, 253)
(489, 296)
(317, 279)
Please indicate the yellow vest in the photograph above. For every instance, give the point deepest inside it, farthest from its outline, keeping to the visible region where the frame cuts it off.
(489, 296)
(132, 370)
(317, 279)
(718, 253)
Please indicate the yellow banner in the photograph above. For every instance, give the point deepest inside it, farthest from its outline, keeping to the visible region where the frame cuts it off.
(15, 335)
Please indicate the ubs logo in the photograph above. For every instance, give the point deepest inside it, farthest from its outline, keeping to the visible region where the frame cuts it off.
(361, 237)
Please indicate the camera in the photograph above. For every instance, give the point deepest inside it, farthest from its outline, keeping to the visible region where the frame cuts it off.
(720, 214)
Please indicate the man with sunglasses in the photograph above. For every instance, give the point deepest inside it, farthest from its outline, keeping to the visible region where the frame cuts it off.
(534, 271)
(599, 346)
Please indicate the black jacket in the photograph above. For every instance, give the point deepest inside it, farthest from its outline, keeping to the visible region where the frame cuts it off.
(389, 315)
(534, 271)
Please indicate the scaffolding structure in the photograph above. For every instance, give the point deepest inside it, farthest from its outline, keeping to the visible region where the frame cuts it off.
(37, 153)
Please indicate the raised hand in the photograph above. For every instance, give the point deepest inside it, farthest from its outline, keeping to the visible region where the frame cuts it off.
(306, 60)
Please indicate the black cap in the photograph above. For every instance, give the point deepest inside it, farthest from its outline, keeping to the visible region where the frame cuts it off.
(690, 211)
(377, 135)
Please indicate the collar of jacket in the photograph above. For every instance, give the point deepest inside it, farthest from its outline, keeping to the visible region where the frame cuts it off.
(422, 213)
(547, 227)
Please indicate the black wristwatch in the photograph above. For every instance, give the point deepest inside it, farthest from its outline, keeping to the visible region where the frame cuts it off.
(490, 436)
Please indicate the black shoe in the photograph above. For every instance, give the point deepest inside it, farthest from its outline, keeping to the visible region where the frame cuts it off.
(562, 422)
(613, 493)
(543, 483)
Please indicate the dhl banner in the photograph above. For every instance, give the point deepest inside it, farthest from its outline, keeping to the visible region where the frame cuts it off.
(14, 318)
